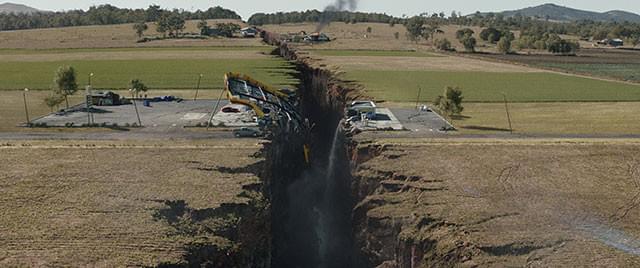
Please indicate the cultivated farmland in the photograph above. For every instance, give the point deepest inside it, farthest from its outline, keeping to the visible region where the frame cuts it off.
(159, 68)
(609, 63)
(489, 86)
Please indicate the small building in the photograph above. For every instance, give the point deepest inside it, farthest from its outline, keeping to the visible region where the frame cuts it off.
(105, 98)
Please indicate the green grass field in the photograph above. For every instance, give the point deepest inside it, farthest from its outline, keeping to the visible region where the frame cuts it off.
(555, 118)
(157, 74)
(629, 72)
(552, 118)
(489, 87)
(372, 53)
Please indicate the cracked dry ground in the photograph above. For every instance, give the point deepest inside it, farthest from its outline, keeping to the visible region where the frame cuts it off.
(122, 204)
(540, 204)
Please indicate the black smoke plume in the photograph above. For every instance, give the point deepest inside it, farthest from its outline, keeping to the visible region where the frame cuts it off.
(330, 11)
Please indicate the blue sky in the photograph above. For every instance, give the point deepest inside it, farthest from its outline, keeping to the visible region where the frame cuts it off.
(397, 7)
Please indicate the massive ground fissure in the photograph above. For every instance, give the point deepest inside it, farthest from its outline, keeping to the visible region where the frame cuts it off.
(312, 203)
(317, 214)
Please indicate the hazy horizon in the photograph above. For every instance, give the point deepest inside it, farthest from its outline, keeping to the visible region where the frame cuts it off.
(401, 7)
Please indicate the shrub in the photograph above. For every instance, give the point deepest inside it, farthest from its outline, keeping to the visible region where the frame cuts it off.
(444, 45)
(504, 45)
(469, 43)
(450, 103)
(563, 47)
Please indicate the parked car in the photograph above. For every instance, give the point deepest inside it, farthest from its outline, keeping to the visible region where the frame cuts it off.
(246, 132)
(235, 108)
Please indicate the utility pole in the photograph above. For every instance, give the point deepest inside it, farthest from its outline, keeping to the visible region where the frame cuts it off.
(198, 87)
(26, 109)
(506, 107)
(213, 113)
(88, 100)
(418, 98)
(135, 106)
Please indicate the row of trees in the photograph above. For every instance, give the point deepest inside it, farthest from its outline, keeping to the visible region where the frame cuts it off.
(585, 28)
(498, 25)
(465, 36)
(493, 35)
(422, 28)
(171, 23)
(425, 27)
(547, 41)
(66, 84)
(316, 16)
(105, 15)
(174, 25)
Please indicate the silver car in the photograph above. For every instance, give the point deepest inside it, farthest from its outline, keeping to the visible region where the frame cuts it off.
(246, 132)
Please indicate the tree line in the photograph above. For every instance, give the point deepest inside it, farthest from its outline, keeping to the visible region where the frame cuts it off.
(425, 27)
(105, 15)
(316, 16)
(532, 26)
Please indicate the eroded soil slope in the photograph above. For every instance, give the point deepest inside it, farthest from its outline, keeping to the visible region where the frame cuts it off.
(534, 203)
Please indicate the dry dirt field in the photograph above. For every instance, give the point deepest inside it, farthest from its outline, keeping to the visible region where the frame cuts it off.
(135, 54)
(117, 204)
(503, 204)
(108, 36)
(436, 63)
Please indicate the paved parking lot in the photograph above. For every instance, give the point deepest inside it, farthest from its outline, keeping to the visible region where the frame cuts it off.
(415, 120)
(384, 120)
(161, 115)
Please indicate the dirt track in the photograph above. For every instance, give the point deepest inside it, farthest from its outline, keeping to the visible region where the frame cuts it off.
(521, 204)
(440, 63)
(135, 55)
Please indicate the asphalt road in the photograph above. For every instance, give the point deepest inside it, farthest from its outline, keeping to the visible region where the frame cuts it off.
(134, 134)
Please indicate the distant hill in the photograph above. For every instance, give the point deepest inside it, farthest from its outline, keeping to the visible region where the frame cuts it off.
(560, 13)
(16, 8)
